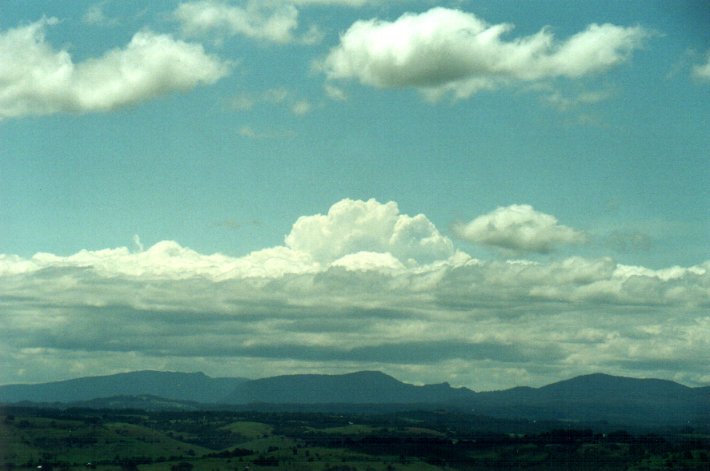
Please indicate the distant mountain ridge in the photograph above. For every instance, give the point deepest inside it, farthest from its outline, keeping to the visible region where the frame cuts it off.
(588, 398)
(196, 387)
(362, 387)
(600, 396)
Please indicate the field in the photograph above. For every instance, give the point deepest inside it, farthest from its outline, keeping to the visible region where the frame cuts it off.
(75, 439)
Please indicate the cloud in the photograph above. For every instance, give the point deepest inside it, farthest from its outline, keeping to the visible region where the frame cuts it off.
(565, 103)
(137, 242)
(42, 80)
(242, 102)
(702, 71)
(518, 228)
(272, 21)
(345, 3)
(360, 287)
(301, 107)
(450, 51)
(334, 93)
(354, 226)
(95, 16)
(251, 133)
(273, 96)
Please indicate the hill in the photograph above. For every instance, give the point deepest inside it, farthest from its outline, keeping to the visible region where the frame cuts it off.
(600, 397)
(584, 399)
(170, 385)
(354, 388)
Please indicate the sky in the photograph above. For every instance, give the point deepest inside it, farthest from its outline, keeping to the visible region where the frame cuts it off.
(487, 193)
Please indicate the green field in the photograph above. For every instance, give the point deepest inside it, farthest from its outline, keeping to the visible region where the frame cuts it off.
(229, 440)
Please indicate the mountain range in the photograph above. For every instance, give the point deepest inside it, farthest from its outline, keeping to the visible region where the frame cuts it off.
(196, 387)
(589, 398)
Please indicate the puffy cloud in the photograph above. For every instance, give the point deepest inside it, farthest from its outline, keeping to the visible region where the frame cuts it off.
(355, 226)
(518, 228)
(268, 20)
(444, 50)
(366, 261)
(167, 260)
(702, 71)
(41, 80)
(361, 287)
(353, 234)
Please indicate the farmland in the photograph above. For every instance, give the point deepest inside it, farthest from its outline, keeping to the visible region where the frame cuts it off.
(73, 439)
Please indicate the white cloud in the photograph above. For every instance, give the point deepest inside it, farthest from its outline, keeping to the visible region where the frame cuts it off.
(251, 133)
(273, 21)
(361, 287)
(702, 71)
(367, 261)
(248, 131)
(242, 102)
(334, 93)
(40, 80)
(274, 96)
(137, 243)
(355, 226)
(95, 15)
(518, 228)
(301, 107)
(444, 50)
(346, 3)
(565, 103)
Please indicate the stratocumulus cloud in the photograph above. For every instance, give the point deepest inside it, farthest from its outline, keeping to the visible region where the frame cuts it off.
(519, 228)
(36, 79)
(450, 51)
(337, 298)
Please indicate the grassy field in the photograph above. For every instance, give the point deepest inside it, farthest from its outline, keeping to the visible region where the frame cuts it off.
(249, 430)
(224, 440)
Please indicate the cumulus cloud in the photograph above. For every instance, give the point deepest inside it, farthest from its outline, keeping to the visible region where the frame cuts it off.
(355, 226)
(42, 80)
(519, 228)
(445, 50)
(702, 71)
(267, 20)
(360, 287)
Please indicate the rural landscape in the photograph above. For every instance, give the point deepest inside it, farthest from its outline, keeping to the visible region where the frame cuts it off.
(380, 423)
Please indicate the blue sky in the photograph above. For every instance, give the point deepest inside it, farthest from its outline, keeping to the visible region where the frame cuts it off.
(333, 180)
